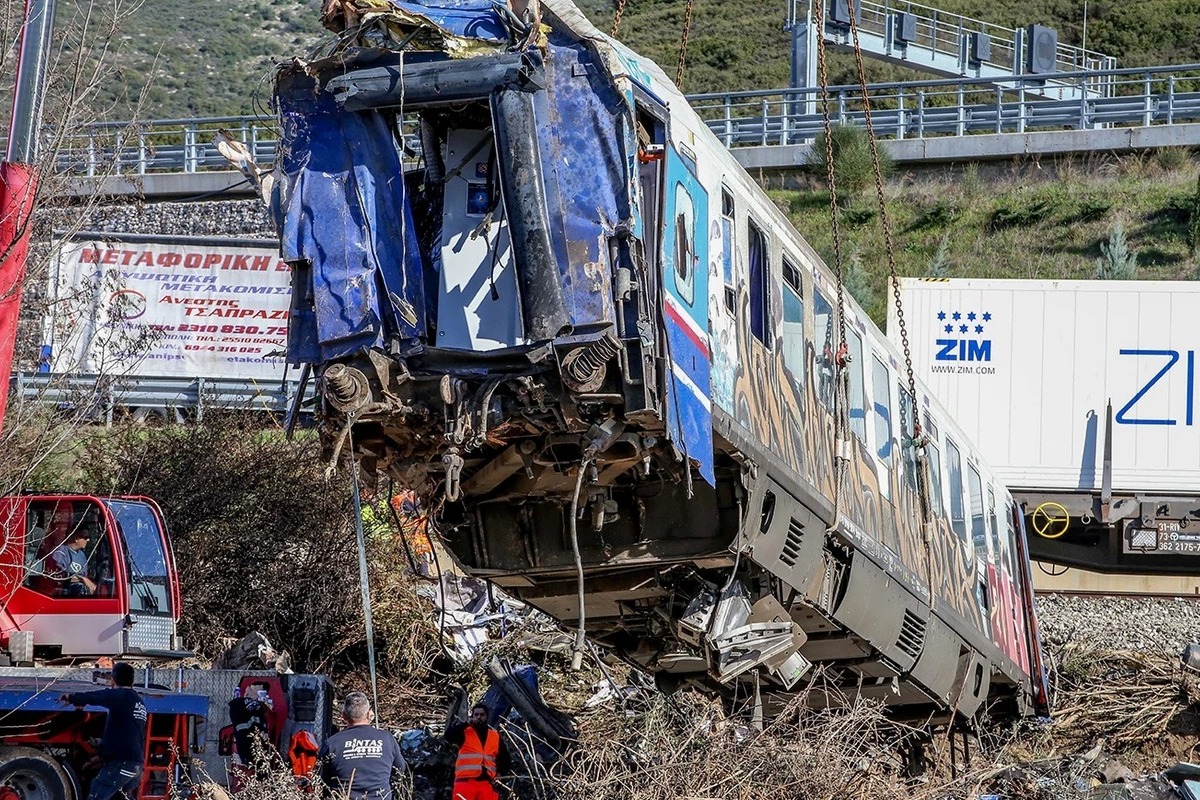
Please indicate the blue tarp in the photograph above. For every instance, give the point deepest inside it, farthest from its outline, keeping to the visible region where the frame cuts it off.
(345, 211)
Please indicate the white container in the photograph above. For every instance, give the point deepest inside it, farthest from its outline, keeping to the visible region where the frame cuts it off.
(1028, 368)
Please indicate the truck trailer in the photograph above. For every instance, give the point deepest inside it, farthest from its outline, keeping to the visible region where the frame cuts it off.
(1082, 394)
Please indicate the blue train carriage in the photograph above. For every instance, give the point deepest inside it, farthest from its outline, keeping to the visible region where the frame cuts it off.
(579, 330)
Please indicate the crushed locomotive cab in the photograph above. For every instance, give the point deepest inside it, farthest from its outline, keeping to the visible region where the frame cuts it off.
(536, 289)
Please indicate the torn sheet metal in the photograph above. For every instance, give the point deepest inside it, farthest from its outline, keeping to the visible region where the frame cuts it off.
(458, 28)
(347, 230)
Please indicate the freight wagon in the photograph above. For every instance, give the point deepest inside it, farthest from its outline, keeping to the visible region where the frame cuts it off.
(1082, 395)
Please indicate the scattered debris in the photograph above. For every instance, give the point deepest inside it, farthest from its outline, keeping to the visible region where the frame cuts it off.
(253, 651)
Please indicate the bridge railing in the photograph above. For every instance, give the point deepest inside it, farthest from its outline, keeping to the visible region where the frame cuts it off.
(945, 107)
(939, 31)
(161, 145)
(175, 399)
(955, 107)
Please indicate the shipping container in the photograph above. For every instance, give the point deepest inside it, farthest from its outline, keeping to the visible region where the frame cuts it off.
(1028, 369)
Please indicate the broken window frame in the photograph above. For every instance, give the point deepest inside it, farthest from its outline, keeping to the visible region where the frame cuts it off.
(758, 280)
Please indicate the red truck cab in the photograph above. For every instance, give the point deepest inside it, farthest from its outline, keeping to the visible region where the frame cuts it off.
(124, 597)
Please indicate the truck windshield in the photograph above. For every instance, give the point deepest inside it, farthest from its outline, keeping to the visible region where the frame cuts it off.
(145, 558)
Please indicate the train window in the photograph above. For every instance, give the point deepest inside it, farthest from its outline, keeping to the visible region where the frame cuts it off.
(685, 247)
(727, 212)
(934, 457)
(1013, 543)
(858, 396)
(908, 445)
(756, 255)
(824, 349)
(997, 547)
(881, 391)
(958, 513)
(793, 322)
(978, 520)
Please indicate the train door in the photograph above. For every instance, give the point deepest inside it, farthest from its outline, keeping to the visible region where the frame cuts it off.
(675, 220)
(1000, 583)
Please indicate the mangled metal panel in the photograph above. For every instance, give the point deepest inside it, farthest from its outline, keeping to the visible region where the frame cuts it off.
(458, 28)
(347, 229)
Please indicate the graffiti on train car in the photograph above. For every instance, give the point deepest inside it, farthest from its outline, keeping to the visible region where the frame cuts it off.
(797, 428)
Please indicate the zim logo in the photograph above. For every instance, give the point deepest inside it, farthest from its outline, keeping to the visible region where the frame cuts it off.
(961, 348)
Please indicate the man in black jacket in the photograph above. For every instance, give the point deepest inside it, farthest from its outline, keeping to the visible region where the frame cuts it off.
(123, 745)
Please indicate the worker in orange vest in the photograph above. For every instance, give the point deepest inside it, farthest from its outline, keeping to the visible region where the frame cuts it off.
(481, 756)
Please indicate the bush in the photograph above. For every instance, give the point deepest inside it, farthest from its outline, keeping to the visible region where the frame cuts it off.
(1018, 216)
(1117, 261)
(262, 540)
(853, 168)
(1171, 159)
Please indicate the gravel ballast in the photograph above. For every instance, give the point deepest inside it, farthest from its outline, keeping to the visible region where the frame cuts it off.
(1151, 625)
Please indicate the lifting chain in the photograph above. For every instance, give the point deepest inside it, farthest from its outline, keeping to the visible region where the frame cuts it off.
(683, 43)
(920, 465)
(893, 277)
(616, 26)
(842, 357)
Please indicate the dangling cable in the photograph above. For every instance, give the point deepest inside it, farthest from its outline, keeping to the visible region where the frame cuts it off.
(580, 636)
(683, 43)
(616, 26)
(924, 501)
(841, 357)
(363, 575)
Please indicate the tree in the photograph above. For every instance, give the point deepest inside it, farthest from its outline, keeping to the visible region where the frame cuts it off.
(853, 167)
(858, 283)
(86, 39)
(938, 266)
(1117, 261)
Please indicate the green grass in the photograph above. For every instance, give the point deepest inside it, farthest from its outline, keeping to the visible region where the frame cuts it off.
(1020, 222)
(746, 47)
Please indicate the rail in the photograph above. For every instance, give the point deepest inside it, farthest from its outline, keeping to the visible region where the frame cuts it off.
(915, 109)
(175, 399)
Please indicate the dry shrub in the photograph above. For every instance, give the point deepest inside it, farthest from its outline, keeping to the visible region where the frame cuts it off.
(687, 746)
(263, 540)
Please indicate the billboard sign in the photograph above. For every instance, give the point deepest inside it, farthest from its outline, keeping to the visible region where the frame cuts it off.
(171, 307)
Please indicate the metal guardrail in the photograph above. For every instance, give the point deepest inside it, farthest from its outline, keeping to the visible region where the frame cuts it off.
(940, 35)
(947, 107)
(103, 399)
(955, 107)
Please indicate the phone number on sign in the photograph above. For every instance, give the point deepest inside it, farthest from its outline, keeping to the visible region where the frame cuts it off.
(271, 330)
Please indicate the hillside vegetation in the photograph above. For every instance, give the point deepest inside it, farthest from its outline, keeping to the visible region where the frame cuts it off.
(1026, 220)
(214, 57)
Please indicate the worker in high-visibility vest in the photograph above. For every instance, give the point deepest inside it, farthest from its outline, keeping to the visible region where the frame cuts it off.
(481, 756)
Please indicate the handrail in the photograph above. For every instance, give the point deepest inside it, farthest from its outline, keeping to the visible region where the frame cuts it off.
(875, 88)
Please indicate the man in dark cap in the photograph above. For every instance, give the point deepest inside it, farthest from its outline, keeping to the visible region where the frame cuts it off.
(123, 745)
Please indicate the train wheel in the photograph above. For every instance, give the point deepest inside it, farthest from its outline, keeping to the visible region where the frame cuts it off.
(29, 774)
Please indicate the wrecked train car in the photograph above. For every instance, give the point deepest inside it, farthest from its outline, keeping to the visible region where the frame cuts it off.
(535, 288)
